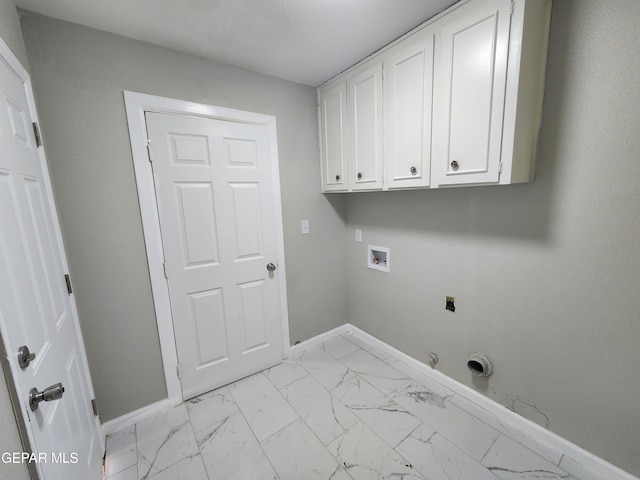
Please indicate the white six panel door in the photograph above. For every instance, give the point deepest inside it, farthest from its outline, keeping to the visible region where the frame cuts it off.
(35, 307)
(217, 216)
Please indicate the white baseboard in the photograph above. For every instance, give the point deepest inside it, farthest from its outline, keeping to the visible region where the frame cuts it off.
(571, 457)
(318, 339)
(131, 418)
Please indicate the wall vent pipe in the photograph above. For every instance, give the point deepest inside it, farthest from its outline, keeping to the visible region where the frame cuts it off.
(480, 364)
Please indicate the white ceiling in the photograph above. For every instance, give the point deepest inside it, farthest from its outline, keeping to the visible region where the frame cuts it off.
(306, 41)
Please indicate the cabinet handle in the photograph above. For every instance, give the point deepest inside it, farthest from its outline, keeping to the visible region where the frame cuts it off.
(413, 170)
(455, 165)
(359, 175)
(337, 177)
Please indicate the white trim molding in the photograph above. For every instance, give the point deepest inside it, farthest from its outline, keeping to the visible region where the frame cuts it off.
(136, 105)
(131, 418)
(567, 455)
(318, 339)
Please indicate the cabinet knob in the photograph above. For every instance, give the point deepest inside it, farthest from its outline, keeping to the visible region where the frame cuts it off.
(359, 175)
(413, 170)
(455, 165)
(337, 177)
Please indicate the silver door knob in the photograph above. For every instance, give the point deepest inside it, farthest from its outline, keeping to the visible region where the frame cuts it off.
(455, 165)
(271, 267)
(413, 170)
(25, 357)
(54, 392)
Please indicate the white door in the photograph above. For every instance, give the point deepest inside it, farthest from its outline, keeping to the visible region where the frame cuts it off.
(35, 308)
(216, 206)
(408, 94)
(365, 127)
(333, 137)
(469, 93)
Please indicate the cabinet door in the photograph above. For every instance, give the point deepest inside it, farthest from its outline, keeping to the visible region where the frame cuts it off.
(408, 73)
(469, 93)
(365, 128)
(333, 137)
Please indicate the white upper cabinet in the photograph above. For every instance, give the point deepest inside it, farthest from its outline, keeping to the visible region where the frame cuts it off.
(408, 69)
(469, 93)
(461, 103)
(364, 111)
(333, 137)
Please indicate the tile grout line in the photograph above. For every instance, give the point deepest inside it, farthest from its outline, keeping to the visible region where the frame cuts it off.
(422, 422)
(302, 419)
(487, 452)
(385, 395)
(137, 456)
(331, 394)
(251, 428)
(206, 472)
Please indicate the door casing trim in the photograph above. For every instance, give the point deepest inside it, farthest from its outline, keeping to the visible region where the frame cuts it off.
(136, 105)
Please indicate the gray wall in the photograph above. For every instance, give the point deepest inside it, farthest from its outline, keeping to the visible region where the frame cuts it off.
(546, 275)
(9, 439)
(10, 31)
(79, 75)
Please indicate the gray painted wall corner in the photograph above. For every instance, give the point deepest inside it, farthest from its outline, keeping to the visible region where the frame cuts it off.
(79, 75)
(545, 275)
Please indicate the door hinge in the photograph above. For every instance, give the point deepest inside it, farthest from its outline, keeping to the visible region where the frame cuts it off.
(36, 133)
(500, 167)
(179, 371)
(94, 405)
(164, 267)
(511, 9)
(67, 280)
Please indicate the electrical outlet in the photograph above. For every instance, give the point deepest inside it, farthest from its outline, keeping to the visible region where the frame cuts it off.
(450, 305)
(304, 227)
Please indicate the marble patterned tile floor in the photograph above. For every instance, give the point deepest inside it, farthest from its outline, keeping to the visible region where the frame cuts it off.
(341, 410)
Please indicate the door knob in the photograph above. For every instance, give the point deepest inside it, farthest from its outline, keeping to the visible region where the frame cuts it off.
(54, 392)
(25, 357)
(455, 165)
(413, 170)
(271, 267)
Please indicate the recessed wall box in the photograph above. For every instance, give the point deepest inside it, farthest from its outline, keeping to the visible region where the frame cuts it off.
(378, 258)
